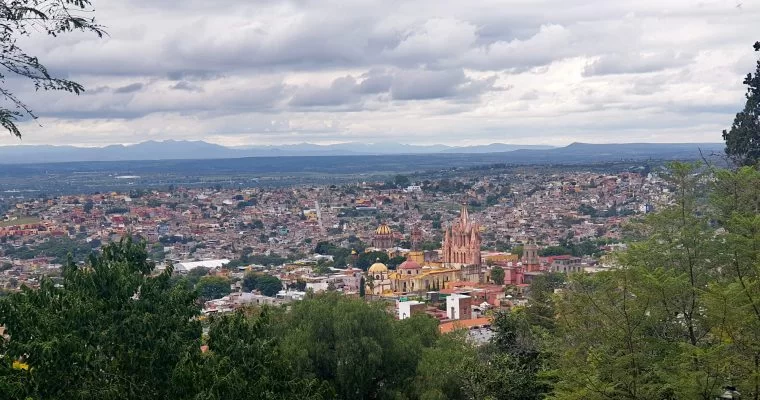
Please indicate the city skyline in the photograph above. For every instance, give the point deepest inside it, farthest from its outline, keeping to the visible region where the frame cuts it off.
(270, 73)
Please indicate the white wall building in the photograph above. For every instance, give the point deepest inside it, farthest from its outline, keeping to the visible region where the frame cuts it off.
(458, 306)
(405, 308)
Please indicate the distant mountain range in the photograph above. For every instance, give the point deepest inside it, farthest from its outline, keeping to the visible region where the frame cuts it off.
(194, 150)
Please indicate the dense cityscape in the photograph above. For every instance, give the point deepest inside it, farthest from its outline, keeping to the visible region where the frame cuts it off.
(575, 214)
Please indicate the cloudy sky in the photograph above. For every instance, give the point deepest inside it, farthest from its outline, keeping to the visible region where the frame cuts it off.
(248, 72)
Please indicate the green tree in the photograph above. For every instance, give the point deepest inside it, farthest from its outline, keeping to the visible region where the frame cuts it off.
(518, 357)
(212, 287)
(733, 304)
(517, 250)
(250, 281)
(540, 310)
(111, 330)
(743, 139)
(605, 349)
(365, 260)
(195, 274)
(244, 362)
(355, 348)
(269, 285)
(401, 181)
(23, 18)
(554, 251)
(451, 370)
(645, 331)
(395, 262)
(497, 275)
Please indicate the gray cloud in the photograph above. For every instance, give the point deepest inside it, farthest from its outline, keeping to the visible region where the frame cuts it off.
(186, 86)
(420, 85)
(132, 87)
(636, 63)
(341, 91)
(341, 70)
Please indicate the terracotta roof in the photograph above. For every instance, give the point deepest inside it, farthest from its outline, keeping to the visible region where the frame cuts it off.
(409, 264)
(463, 324)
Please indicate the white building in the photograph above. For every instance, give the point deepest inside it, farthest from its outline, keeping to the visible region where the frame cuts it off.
(458, 306)
(407, 308)
(185, 267)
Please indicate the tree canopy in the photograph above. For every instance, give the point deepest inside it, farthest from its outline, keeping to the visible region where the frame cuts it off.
(743, 139)
(110, 331)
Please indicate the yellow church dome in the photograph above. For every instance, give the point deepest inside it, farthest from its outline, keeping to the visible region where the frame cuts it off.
(383, 229)
(378, 267)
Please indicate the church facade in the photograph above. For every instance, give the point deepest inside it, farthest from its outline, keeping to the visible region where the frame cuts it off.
(460, 261)
(461, 242)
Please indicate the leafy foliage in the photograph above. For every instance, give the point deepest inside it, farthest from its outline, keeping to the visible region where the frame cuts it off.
(212, 287)
(57, 248)
(680, 319)
(743, 139)
(110, 331)
(497, 275)
(268, 285)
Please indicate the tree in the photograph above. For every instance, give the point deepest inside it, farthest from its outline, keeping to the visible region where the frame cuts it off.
(733, 304)
(540, 310)
(401, 181)
(518, 356)
(212, 287)
(355, 348)
(22, 18)
(244, 362)
(554, 251)
(195, 274)
(395, 262)
(269, 285)
(645, 330)
(362, 288)
(743, 139)
(517, 250)
(606, 320)
(111, 330)
(365, 260)
(497, 275)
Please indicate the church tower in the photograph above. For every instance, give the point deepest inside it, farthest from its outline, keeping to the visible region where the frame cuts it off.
(416, 238)
(530, 259)
(415, 254)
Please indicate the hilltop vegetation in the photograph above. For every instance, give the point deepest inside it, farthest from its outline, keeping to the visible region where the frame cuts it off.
(133, 335)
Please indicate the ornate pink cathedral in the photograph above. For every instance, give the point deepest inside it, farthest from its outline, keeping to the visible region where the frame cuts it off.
(461, 241)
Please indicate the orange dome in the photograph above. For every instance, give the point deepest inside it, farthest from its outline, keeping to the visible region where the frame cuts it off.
(383, 229)
(409, 264)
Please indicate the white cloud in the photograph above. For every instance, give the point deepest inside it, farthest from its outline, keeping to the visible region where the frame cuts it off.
(418, 72)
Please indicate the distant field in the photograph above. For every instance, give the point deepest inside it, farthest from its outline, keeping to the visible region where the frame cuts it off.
(20, 221)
